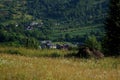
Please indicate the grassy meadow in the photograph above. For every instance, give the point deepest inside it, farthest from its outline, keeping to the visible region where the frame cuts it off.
(32, 64)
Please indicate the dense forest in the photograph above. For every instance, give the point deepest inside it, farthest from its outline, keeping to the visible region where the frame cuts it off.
(58, 20)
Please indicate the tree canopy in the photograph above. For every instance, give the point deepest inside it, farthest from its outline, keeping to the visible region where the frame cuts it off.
(113, 28)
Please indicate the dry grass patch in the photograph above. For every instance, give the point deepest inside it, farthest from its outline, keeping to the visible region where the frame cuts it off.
(14, 67)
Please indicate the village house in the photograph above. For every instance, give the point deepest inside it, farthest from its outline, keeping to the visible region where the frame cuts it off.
(47, 44)
(32, 25)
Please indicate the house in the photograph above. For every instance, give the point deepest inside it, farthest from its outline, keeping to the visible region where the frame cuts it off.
(33, 24)
(51, 46)
(47, 44)
(29, 28)
(63, 46)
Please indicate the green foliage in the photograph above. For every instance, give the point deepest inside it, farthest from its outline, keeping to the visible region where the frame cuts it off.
(31, 43)
(58, 20)
(77, 12)
(13, 37)
(92, 42)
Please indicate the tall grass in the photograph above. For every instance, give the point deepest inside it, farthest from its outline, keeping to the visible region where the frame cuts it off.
(14, 67)
(40, 65)
(34, 52)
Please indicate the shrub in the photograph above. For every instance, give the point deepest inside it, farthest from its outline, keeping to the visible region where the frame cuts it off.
(92, 42)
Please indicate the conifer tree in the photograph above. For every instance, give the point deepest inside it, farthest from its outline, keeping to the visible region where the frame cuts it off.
(113, 28)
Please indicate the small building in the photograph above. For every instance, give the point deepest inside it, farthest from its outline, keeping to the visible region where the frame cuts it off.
(63, 46)
(47, 44)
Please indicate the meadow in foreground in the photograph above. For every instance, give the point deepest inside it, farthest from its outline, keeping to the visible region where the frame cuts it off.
(17, 67)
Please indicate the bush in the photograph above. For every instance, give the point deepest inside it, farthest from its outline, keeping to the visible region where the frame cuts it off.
(93, 43)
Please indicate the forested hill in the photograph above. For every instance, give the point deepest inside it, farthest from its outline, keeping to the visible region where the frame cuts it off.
(80, 12)
(58, 20)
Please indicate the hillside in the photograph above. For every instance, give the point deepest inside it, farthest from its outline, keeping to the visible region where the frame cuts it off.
(76, 12)
(57, 20)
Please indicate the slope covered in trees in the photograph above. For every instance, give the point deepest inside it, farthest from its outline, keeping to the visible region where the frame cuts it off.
(58, 20)
(77, 12)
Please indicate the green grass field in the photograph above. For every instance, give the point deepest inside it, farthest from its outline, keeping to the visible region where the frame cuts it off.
(28, 64)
